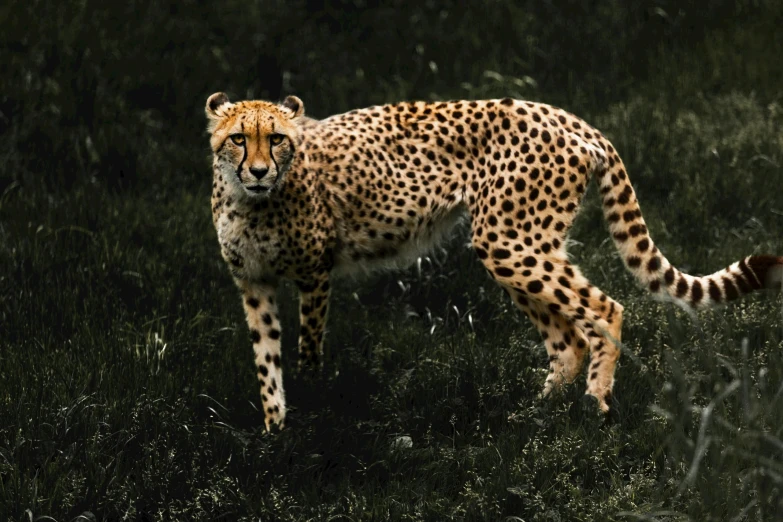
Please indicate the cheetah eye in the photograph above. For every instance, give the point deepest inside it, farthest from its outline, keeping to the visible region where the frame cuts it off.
(276, 139)
(239, 139)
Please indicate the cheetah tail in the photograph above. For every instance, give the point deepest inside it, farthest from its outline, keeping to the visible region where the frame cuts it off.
(653, 270)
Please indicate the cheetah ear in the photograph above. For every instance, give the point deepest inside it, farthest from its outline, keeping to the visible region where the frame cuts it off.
(295, 105)
(216, 105)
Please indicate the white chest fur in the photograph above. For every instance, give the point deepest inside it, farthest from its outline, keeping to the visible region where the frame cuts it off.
(250, 251)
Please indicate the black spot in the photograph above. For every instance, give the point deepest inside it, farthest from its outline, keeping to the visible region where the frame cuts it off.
(501, 253)
(696, 292)
(655, 285)
(255, 336)
(535, 287)
(757, 275)
(274, 334)
(714, 291)
(276, 360)
(481, 253)
(636, 230)
(682, 287)
(561, 296)
(643, 245)
(634, 261)
(654, 264)
(253, 302)
(263, 370)
(267, 319)
(502, 271)
(625, 195)
(731, 290)
(669, 276)
(529, 261)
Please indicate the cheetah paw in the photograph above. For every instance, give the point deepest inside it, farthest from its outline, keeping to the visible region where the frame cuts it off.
(274, 418)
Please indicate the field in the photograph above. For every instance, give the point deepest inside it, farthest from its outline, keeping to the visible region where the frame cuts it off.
(127, 389)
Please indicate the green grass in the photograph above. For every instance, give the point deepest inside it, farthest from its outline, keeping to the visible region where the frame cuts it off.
(127, 390)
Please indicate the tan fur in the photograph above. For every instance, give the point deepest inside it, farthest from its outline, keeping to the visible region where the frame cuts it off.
(302, 199)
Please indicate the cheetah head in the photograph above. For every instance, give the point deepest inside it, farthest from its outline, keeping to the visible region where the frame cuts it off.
(253, 142)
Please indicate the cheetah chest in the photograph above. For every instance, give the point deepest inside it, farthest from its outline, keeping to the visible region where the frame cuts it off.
(251, 251)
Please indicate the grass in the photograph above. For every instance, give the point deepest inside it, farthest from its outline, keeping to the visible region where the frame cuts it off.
(126, 385)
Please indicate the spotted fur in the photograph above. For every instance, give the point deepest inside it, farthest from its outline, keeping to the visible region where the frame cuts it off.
(302, 199)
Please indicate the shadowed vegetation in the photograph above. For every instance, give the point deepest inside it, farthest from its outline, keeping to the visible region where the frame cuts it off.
(127, 390)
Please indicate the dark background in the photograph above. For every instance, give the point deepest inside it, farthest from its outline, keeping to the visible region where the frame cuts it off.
(128, 77)
(126, 385)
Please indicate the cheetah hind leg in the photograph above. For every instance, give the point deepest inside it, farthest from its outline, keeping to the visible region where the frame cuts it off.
(566, 345)
(561, 288)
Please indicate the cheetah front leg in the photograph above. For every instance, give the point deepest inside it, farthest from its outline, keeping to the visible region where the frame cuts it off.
(313, 308)
(262, 319)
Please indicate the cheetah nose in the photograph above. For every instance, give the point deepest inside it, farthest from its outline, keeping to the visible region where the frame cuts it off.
(258, 173)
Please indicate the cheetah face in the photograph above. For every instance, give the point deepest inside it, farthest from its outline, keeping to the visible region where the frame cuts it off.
(253, 142)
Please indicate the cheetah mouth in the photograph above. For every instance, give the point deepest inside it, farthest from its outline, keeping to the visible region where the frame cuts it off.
(257, 189)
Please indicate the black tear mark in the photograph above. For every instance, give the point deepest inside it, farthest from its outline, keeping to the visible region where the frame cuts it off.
(244, 154)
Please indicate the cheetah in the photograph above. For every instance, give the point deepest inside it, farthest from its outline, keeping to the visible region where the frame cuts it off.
(304, 199)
